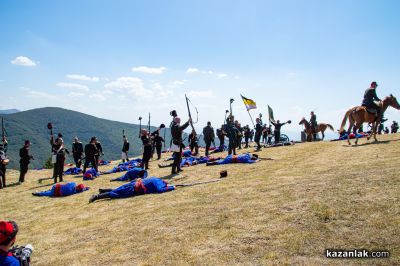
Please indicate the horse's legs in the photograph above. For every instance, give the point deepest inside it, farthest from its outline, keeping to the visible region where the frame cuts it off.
(322, 133)
(375, 129)
(356, 127)
(351, 124)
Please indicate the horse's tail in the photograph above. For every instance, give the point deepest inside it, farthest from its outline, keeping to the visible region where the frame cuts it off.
(330, 127)
(345, 119)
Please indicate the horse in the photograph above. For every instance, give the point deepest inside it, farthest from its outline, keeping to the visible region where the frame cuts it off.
(359, 114)
(320, 128)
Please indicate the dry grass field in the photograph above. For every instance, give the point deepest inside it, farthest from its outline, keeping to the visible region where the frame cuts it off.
(283, 211)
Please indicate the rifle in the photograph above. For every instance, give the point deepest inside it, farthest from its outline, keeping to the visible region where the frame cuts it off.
(230, 105)
(198, 183)
(2, 128)
(226, 112)
(190, 116)
(149, 122)
(140, 126)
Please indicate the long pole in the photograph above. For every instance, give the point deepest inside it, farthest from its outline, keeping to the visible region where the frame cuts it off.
(251, 119)
(165, 130)
(149, 122)
(140, 126)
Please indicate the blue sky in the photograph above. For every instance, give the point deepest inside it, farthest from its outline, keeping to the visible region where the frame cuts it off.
(122, 59)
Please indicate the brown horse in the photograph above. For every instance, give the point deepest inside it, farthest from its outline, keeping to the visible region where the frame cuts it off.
(320, 128)
(359, 115)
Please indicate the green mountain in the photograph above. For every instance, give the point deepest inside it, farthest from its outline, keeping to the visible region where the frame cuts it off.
(32, 125)
(9, 111)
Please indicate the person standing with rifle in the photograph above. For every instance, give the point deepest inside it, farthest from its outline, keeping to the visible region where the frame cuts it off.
(258, 134)
(147, 148)
(100, 151)
(3, 161)
(58, 151)
(177, 143)
(221, 136)
(209, 136)
(24, 161)
(77, 152)
(3, 156)
(232, 132)
(125, 149)
(91, 153)
(157, 141)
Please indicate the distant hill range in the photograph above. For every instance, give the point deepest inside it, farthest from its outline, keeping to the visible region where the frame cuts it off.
(32, 125)
(9, 111)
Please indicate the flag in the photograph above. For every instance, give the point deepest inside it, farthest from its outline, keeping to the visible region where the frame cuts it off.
(250, 104)
(271, 114)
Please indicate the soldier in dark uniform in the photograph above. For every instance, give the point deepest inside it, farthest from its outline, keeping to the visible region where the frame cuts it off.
(314, 124)
(147, 148)
(269, 134)
(257, 135)
(58, 150)
(221, 133)
(277, 130)
(209, 136)
(232, 132)
(24, 161)
(246, 133)
(100, 151)
(158, 142)
(394, 127)
(77, 152)
(369, 100)
(3, 159)
(239, 135)
(125, 149)
(264, 134)
(193, 142)
(91, 153)
(176, 133)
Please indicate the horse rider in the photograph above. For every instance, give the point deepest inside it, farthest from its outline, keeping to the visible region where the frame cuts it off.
(369, 100)
(314, 124)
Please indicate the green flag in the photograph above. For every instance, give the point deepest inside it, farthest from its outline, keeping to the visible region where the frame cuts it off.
(271, 114)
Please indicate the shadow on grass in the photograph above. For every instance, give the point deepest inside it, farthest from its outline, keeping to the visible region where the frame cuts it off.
(13, 185)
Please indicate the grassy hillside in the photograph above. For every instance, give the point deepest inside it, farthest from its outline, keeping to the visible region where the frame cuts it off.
(32, 125)
(287, 210)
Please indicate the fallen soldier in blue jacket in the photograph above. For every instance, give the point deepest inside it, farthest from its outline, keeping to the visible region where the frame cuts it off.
(91, 174)
(62, 190)
(132, 174)
(73, 171)
(134, 188)
(242, 158)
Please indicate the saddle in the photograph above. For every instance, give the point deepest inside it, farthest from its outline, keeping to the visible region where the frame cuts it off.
(371, 111)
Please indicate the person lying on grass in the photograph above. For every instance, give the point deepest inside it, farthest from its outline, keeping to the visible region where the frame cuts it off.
(242, 158)
(132, 175)
(62, 190)
(134, 188)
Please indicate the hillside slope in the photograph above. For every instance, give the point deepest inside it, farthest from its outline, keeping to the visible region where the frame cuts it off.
(288, 210)
(32, 125)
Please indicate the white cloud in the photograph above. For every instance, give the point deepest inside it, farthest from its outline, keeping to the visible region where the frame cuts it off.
(23, 61)
(74, 94)
(160, 91)
(82, 77)
(149, 70)
(97, 96)
(130, 85)
(221, 75)
(201, 94)
(39, 94)
(192, 70)
(73, 86)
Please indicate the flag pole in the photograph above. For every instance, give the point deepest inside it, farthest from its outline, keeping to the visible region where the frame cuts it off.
(251, 118)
